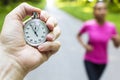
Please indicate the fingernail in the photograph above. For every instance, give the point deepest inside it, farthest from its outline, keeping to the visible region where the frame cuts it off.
(51, 37)
(41, 48)
(50, 26)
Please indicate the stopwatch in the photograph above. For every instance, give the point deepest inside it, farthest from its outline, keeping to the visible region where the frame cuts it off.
(35, 31)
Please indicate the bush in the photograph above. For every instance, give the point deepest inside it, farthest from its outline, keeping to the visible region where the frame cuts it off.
(113, 8)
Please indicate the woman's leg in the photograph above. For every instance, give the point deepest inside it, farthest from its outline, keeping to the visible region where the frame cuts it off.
(100, 70)
(91, 71)
(94, 71)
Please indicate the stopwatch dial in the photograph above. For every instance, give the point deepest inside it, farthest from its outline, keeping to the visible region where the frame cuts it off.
(35, 32)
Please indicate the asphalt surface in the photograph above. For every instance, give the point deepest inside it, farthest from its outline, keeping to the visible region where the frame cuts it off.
(67, 64)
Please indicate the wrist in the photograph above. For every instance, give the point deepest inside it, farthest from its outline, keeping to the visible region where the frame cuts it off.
(10, 68)
(85, 46)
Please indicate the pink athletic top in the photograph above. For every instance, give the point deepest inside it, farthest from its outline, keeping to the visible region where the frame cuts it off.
(99, 35)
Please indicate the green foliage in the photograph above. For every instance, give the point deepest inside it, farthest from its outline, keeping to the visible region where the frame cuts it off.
(114, 8)
(84, 12)
(7, 2)
(113, 5)
(80, 12)
(5, 9)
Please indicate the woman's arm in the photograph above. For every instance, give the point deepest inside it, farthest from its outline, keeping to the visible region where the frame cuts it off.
(86, 46)
(116, 40)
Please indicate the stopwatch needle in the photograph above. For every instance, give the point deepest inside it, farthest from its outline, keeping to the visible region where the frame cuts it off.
(36, 33)
(34, 30)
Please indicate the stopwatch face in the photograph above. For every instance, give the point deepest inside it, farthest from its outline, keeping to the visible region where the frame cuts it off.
(35, 32)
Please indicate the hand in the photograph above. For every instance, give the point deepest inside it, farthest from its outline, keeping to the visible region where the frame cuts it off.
(14, 46)
(116, 37)
(89, 48)
(116, 40)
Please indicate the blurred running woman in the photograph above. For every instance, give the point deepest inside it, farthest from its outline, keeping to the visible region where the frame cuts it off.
(100, 32)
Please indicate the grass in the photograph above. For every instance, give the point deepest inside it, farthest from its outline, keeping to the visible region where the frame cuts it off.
(4, 10)
(84, 12)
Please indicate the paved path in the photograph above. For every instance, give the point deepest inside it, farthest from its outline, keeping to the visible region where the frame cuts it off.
(67, 64)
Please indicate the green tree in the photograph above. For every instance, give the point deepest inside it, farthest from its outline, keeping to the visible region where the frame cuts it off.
(111, 1)
(119, 1)
(7, 2)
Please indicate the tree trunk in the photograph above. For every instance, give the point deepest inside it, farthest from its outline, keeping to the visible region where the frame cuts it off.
(119, 1)
(111, 1)
(87, 1)
(5, 2)
(15, 0)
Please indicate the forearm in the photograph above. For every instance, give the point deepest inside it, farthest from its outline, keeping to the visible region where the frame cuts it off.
(116, 40)
(119, 40)
(10, 69)
(81, 41)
